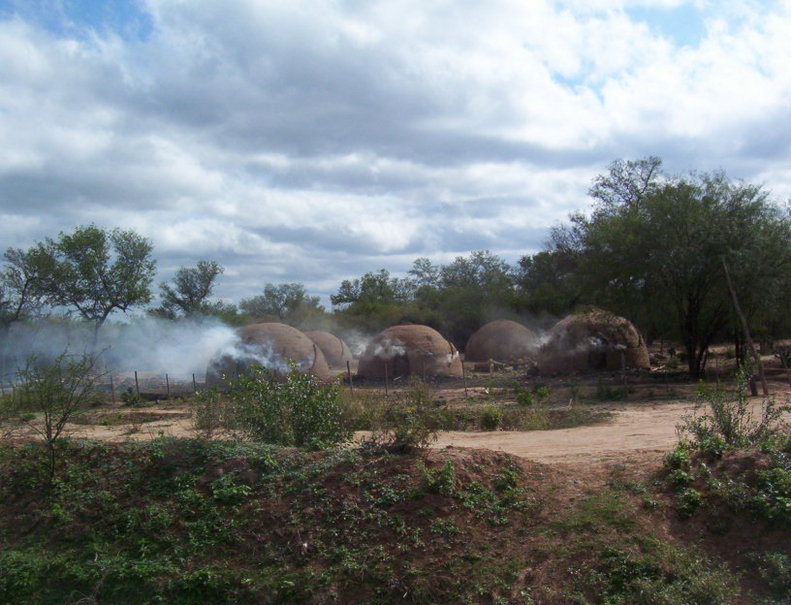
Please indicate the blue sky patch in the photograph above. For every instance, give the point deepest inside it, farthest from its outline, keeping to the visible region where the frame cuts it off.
(78, 18)
(683, 25)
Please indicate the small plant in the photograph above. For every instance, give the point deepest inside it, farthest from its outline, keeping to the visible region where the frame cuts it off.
(775, 569)
(605, 392)
(131, 398)
(678, 457)
(688, 501)
(441, 481)
(411, 423)
(55, 392)
(211, 413)
(725, 419)
(294, 409)
(491, 418)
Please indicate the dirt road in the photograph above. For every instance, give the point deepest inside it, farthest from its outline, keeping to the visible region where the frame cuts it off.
(636, 431)
(645, 430)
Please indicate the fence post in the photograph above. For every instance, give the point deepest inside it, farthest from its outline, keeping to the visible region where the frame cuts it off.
(349, 372)
(167, 385)
(137, 385)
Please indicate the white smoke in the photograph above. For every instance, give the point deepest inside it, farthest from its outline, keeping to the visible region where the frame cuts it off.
(178, 348)
(387, 349)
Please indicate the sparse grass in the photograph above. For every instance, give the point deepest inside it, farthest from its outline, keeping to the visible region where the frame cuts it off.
(194, 521)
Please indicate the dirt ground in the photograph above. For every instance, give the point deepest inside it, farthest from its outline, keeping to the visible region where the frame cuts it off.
(639, 431)
(636, 432)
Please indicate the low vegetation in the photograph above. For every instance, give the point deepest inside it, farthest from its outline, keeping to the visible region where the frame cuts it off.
(194, 521)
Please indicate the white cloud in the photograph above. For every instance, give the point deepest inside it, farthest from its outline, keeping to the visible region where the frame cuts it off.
(314, 141)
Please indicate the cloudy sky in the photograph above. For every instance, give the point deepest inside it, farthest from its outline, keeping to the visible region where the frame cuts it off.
(316, 140)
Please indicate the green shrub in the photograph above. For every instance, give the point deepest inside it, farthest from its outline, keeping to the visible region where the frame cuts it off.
(441, 481)
(605, 392)
(51, 394)
(678, 478)
(678, 457)
(773, 497)
(775, 569)
(411, 422)
(294, 409)
(211, 413)
(491, 418)
(131, 398)
(725, 419)
(688, 500)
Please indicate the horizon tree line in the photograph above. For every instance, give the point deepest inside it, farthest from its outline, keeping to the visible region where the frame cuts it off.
(652, 248)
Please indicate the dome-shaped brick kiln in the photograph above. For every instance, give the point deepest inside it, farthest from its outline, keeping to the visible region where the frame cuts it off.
(594, 340)
(271, 345)
(502, 340)
(409, 350)
(335, 350)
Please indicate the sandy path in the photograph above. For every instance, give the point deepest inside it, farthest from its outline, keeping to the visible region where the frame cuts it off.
(644, 430)
(641, 431)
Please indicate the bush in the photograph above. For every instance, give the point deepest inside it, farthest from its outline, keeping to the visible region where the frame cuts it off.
(775, 569)
(410, 423)
(491, 418)
(287, 410)
(725, 419)
(50, 394)
(211, 413)
(688, 501)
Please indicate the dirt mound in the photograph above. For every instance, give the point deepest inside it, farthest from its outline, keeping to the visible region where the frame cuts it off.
(409, 350)
(501, 340)
(335, 350)
(595, 340)
(271, 345)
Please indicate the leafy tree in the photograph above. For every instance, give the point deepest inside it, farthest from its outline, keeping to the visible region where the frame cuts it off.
(469, 287)
(20, 285)
(95, 272)
(425, 273)
(548, 282)
(376, 288)
(660, 253)
(191, 289)
(283, 302)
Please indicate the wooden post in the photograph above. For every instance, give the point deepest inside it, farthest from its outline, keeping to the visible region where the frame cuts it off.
(194, 384)
(784, 360)
(623, 367)
(385, 378)
(167, 385)
(464, 379)
(137, 385)
(112, 388)
(748, 338)
(349, 373)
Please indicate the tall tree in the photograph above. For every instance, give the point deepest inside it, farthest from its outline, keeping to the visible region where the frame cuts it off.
(661, 253)
(374, 288)
(21, 292)
(288, 301)
(190, 292)
(94, 272)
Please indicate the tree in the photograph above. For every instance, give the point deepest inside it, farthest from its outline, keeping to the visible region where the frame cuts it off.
(284, 302)
(21, 292)
(548, 282)
(191, 289)
(469, 288)
(659, 253)
(55, 392)
(374, 288)
(95, 272)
